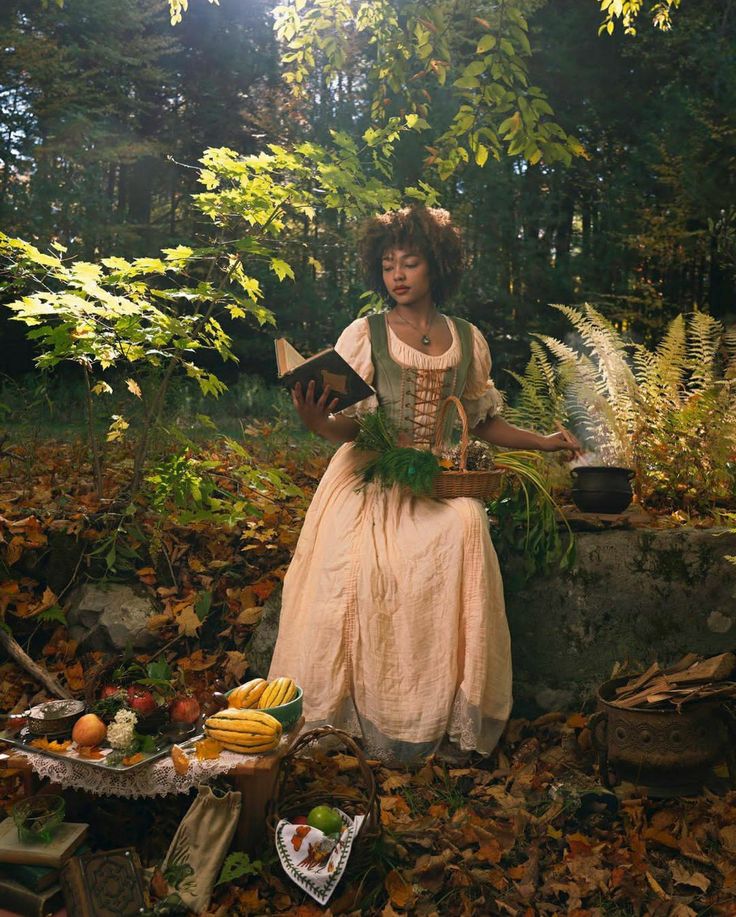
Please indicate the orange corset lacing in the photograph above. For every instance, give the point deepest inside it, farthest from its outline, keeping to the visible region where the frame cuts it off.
(427, 398)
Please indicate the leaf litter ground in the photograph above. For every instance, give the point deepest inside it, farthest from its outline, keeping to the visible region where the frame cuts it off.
(527, 831)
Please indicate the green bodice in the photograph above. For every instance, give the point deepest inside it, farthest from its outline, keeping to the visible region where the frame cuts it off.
(411, 396)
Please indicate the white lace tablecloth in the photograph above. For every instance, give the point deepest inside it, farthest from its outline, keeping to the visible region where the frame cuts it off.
(155, 779)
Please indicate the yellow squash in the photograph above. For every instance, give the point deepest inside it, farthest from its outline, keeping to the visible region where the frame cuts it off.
(279, 691)
(247, 695)
(246, 731)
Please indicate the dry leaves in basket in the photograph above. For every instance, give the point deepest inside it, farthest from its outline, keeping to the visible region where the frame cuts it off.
(479, 457)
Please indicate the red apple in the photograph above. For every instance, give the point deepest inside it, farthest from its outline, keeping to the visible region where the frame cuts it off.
(184, 709)
(109, 691)
(141, 700)
(299, 820)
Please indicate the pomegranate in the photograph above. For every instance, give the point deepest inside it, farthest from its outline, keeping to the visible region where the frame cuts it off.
(89, 730)
(141, 700)
(184, 709)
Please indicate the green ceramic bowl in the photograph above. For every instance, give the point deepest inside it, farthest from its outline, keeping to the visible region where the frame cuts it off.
(286, 714)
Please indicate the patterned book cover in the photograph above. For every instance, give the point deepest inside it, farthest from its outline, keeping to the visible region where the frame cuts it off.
(104, 884)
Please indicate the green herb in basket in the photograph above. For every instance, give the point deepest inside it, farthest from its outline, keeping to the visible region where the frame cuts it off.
(377, 432)
(394, 464)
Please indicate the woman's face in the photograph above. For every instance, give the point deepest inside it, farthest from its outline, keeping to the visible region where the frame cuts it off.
(406, 276)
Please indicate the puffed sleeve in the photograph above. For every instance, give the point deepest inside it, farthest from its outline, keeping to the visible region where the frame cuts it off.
(354, 346)
(481, 398)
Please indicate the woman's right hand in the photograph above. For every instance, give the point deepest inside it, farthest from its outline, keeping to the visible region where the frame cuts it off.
(314, 414)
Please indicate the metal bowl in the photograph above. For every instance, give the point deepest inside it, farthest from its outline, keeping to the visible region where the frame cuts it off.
(54, 717)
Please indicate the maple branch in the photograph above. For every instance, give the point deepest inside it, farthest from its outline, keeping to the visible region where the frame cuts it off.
(151, 414)
(37, 672)
(96, 464)
(154, 412)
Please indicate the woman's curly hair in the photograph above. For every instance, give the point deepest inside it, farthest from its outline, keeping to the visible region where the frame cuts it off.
(427, 230)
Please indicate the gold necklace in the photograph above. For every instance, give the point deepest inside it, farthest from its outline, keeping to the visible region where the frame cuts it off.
(425, 337)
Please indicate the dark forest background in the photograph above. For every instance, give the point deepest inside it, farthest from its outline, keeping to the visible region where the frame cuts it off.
(105, 106)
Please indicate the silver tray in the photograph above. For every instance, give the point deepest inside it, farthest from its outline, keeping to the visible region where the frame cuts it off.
(23, 741)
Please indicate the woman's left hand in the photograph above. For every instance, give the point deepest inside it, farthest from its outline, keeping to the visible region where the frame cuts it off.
(563, 439)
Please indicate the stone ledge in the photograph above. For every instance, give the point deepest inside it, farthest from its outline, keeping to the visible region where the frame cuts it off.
(633, 595)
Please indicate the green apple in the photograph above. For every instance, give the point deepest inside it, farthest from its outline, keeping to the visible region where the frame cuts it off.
(326, 819)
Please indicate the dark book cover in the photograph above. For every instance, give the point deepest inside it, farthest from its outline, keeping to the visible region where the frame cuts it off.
(37, 878)
(21, 900)
(326, 368)
(104, 884)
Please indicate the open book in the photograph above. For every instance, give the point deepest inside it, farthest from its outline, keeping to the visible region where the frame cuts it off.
(326, 368)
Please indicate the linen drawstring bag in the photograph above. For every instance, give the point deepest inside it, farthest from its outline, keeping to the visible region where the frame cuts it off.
(200, 844)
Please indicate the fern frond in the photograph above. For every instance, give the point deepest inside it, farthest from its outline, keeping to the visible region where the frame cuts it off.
(591, 326)
(377, 432)
(729, 346)
(645, 364)
(669, 413)
(704, 337)
(609, 353)
(540, 402)
(667, 373)
(606, 423)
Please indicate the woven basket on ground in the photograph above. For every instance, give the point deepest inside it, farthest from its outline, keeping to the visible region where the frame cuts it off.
(360, 797)
(463, 483)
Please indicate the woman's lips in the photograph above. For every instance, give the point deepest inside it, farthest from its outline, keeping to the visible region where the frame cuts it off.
(400, 289)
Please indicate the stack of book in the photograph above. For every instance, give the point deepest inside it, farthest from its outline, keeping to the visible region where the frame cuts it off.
(30, 873)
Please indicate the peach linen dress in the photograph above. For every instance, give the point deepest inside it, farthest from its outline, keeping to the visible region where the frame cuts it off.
(393, 618)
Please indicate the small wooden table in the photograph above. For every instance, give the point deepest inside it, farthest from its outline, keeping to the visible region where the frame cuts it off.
(255, 778)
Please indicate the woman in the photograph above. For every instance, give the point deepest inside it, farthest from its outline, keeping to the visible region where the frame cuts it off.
(393, 617)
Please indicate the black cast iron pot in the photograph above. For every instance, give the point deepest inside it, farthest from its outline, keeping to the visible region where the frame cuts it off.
(601, 488)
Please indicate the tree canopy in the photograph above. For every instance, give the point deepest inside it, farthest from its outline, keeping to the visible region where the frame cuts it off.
(581, 166)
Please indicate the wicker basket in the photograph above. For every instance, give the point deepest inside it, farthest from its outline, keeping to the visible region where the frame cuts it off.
(463, 483)
(287, 802)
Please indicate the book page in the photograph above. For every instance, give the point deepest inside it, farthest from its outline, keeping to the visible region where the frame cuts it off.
(287, 357)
